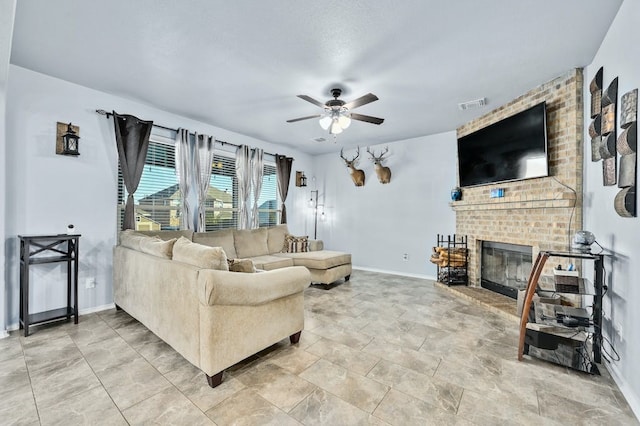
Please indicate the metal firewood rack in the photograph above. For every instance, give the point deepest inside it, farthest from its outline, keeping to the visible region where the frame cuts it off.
(453, 275)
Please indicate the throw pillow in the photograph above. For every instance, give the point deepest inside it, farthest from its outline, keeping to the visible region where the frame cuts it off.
(275, 237)
(198, 255)
(293, 244)
(250, 242)
(156, 246)
(241, 265)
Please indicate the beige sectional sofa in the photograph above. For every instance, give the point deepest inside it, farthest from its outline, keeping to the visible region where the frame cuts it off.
(264, 247)
(216, 318)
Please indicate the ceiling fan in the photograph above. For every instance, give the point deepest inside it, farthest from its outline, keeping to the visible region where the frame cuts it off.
(337, 114)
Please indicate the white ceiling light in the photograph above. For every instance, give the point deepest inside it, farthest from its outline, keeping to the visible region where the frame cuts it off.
(325, 121)
(335, 120)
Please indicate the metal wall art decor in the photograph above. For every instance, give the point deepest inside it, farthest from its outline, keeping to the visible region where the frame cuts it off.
(625, 202)
(627, 142)
(596, 139)
(628, 108)
(609, 171)
(608, 146)
(596, 108)
(608, 133)
(627, 146)
(627, 171)
(596, 94)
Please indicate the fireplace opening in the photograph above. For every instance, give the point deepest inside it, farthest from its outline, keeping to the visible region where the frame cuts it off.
(505, 268)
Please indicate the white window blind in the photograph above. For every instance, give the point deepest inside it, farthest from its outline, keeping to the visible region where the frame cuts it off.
(157, 199)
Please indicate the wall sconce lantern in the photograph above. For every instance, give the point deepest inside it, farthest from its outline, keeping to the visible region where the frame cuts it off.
(301, 179)
(67, 139)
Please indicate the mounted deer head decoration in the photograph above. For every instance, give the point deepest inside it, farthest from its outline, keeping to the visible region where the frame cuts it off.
(357, 175)
(383, 172)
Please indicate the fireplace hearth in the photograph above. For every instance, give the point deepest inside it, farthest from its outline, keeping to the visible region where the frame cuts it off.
(505, 268)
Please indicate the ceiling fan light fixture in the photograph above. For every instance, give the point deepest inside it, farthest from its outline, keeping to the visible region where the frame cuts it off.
(344, 120)
(335, 128)
(336, 114)
(325, 121)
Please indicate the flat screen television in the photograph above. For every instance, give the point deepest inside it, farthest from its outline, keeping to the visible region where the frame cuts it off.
(511, 149)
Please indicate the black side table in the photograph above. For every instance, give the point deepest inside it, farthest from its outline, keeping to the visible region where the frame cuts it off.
(39, 249)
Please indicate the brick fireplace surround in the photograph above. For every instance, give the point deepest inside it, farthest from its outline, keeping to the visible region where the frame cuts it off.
(535, 212)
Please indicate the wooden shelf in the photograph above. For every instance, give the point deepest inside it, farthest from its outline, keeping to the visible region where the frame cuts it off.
(513, 203)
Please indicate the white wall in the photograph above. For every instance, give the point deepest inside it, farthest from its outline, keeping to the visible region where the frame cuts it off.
(618, 55)
(7, 13)
(379, 223)
(45, 191)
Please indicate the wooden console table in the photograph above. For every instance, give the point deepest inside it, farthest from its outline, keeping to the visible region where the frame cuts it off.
(40, 249)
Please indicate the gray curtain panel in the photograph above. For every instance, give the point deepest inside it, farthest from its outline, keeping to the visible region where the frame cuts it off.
(185, 169)
(204, 160)
(132, 140)
(243, 173)
(283, 171)
(257, 172)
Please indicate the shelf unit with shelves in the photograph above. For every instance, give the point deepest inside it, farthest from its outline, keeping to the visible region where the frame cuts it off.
(43, 249)
(547, 326)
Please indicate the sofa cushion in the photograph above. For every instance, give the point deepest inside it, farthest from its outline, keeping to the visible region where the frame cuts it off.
(275, 238)
(168, 235)
(157, 247)
(318, 259)
(222, 238)
(269, 262)
(250, 242)
(293, 244)
(198, 255)
(241, 265)
(131, 239)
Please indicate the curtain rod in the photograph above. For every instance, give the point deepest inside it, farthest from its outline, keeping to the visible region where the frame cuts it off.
(109, 114)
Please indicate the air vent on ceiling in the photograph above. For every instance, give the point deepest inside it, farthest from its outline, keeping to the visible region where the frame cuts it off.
(472, 104)
(319, 139)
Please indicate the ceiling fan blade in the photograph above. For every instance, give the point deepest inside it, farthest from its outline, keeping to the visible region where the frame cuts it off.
(304, 118)
(363, 100)
(313, 101)
(367, 118)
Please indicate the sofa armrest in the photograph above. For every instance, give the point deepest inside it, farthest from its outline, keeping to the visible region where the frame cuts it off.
(316, 245)
(237, 288)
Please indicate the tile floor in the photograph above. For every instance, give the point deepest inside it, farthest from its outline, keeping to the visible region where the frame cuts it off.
(380, 349)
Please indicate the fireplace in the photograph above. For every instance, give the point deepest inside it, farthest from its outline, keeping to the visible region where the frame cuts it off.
(505, 267)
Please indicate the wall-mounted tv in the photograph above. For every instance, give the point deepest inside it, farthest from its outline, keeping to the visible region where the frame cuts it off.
(511, 149)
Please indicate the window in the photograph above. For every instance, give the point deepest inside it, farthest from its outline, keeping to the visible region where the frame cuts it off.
(222, 199)
(157, 199)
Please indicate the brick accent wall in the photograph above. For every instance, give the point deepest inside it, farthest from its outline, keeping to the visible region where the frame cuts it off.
(534, 212)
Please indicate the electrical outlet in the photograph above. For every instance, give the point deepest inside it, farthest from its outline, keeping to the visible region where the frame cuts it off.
(405, 257)
(90, 282)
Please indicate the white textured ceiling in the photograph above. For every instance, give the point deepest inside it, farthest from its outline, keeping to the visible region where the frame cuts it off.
(240, 64)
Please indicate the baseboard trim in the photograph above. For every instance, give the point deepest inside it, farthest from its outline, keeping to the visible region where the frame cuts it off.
(97, 309)
(16, 326)
(625, 388)
(402, 274)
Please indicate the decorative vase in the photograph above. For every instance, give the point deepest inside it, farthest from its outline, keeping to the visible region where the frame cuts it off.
(71, 230)
(456, 194)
